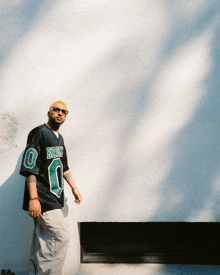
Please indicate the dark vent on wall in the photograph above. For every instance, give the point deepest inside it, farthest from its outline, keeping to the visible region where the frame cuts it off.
(150, 242)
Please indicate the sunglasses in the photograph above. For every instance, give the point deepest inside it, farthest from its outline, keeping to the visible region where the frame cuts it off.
(57, 110)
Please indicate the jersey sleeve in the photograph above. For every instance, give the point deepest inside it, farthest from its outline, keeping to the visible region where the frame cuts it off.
(31, 159)
(65, 162)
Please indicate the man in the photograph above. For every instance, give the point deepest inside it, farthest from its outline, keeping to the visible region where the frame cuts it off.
(45, 165)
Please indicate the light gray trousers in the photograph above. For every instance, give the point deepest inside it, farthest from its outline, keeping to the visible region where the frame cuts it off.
(49, 244)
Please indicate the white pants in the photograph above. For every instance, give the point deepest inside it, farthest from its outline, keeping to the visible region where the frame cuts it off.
(49, 244)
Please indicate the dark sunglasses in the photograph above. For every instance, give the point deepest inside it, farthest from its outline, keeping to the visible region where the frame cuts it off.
(57, 110)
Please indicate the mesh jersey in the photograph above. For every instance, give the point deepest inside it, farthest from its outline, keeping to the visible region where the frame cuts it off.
(45, 157)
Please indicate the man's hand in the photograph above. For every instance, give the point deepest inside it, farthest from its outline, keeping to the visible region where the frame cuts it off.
(34, 204)
(35, 208)
(77, 195)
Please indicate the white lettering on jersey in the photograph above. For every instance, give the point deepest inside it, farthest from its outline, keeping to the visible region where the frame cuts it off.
(54, 152)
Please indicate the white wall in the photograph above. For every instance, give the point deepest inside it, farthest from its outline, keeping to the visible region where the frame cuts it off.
(141, 80)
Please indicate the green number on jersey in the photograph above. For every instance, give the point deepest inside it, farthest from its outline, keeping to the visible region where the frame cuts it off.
(53, 177)
(30, 163)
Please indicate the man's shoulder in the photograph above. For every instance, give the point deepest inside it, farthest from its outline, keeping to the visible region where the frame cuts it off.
(36, 129)
(36, 132)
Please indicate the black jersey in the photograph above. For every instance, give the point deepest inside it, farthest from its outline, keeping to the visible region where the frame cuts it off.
(45, 157)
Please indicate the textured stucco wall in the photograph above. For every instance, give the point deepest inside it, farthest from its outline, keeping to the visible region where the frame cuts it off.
(140, 79)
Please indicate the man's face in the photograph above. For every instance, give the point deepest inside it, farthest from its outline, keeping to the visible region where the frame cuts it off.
(57, 118)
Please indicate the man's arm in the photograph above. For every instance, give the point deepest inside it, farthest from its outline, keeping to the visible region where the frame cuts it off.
(67, 176)
(34, 204)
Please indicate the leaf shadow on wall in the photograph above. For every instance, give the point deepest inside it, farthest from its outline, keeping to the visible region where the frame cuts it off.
(188, 152)
(16, 20)
(196, 163)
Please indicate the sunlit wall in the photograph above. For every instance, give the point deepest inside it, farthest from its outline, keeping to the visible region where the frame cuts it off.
(140, 79)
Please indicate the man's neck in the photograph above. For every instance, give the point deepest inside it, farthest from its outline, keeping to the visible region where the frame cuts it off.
(53, 127)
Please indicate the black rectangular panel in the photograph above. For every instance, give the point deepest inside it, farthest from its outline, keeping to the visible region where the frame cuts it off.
(150, 242)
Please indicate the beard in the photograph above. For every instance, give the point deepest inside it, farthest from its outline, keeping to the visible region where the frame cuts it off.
(55, 124)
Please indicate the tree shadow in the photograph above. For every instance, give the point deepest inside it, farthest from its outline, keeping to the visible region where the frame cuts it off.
(16, 20)
(194, 146)
(197, 158)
